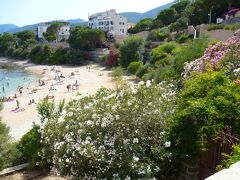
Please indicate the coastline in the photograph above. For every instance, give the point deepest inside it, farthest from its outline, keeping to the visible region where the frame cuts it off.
(90, 82)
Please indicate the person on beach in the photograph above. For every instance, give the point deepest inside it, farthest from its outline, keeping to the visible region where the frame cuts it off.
(20, 91)
(18, 104)
(68, 87)
(3, 89)
(7, 83)
(52, 88)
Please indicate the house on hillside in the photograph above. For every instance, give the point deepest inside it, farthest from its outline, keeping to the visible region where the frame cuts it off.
(63, 31)
(110, 22)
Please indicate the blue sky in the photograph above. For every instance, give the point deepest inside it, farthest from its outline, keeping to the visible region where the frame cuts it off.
(24, 12)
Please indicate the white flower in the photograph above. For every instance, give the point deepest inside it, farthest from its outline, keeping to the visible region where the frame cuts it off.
(67, 160)
(135, 140)
(135, 158)
(167, 144)
(141, 83)
(117, 117)
(128, 178)
(148, 83)
(89, 123)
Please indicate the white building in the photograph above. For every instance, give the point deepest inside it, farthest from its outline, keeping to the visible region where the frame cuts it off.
(63, 31)
(110, 22)
(42, 28)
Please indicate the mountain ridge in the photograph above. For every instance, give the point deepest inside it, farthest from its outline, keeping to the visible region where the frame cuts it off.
(132, 17)
(6, 27)
(135, 17)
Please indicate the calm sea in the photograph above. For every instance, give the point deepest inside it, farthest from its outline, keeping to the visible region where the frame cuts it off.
(11, 79)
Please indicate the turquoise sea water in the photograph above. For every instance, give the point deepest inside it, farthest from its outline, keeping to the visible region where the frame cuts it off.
(11, 79)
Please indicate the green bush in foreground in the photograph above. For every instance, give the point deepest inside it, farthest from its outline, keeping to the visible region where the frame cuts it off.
(106, 136)
(208, 102)
(29, 146)
(9, 155)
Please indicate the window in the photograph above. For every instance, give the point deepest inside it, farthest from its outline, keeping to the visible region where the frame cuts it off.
(111, 22)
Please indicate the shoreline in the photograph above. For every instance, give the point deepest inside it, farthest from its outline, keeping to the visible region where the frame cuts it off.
(89, 83)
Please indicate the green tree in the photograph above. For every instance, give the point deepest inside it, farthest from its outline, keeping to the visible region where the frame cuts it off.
(83, 38)
(25, 35)
(209, 5)
(26, 38)
(179, 25)
(7, 41)
(131, 50)
(167, 16)
(143, 25)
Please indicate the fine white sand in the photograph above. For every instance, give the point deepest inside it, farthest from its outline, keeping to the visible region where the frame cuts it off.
(21, 122)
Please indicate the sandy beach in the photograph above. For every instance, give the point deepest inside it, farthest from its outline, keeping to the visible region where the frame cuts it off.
(89, 82)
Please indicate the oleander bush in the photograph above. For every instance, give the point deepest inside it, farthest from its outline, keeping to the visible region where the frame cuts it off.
(214, 56)
(111, 134)
(112, 58)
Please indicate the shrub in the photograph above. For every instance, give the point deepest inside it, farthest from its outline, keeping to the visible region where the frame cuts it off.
(24, 54)
(212, 56)
(36, 54)
(156, 35)
(117, 72)
(233, 158)
(4, 145)
(215, 27)
(162, 51)
(113, 58)
(168, 47)
(29, 146)
(105, 136)
(208, 102)
(102, 58)
(74, 57)
(8, 152)
(59, 57)
(183, 39)
(134, 66)
(143, 70)
(231, 27)
(131, 50)
(17, 52)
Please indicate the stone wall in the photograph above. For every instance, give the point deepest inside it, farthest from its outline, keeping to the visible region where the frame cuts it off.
(189, 171)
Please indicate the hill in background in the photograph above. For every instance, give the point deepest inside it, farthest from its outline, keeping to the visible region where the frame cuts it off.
(136, 17)
(7, 27)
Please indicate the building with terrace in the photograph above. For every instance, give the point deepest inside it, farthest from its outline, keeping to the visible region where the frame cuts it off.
(110, 22)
